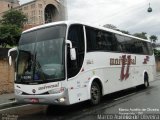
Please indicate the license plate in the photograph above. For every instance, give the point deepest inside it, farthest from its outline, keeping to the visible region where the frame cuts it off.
(34, 100)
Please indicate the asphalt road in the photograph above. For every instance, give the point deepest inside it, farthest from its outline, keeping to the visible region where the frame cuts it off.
(136, 102)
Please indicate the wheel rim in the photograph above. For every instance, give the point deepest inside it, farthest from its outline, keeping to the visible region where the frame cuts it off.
(95, 93)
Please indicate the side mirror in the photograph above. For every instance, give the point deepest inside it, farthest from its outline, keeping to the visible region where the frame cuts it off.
(10, 60)
(9, 54)
(73, 53)
(72, 50)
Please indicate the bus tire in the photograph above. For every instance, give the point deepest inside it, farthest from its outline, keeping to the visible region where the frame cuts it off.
(95, 93)
(146, 81)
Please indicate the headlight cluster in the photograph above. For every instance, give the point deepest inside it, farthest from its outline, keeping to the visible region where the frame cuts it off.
(18, 92)
(56, 91)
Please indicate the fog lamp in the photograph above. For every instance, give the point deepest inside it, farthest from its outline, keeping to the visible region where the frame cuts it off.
(61, 100)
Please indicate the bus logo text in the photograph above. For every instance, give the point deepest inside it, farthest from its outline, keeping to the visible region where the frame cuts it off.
(125, 61)
(146, 60)
(48, 86)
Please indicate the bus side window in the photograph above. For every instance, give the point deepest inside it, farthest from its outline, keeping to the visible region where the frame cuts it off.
(91, 35)
(149, 45)
(121, 43)
(145, 48)
(100, 40)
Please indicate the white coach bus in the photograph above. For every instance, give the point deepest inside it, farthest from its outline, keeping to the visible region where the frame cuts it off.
(69, 62)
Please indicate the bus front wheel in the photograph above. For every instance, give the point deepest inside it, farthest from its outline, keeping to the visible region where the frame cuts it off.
(95, 93)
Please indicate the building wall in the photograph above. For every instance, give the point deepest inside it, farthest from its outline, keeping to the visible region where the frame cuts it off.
(6, 77)
(35, 11)
(5, 6)
(31, 10)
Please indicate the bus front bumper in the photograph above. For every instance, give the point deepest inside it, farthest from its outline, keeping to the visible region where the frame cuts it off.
(55, 99)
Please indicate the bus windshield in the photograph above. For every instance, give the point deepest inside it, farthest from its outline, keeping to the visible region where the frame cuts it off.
(41, 55)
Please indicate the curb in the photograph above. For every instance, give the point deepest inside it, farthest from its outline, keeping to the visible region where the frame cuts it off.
(8, 104)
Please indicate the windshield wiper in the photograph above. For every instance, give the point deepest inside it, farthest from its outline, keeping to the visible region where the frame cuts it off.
(38, 68)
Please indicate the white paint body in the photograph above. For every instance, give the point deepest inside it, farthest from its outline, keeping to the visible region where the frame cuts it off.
(96, 66)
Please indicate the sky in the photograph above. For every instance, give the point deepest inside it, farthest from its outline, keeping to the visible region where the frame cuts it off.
(128, 15)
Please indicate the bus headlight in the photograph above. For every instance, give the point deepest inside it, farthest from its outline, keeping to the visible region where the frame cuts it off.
(62, 100)
(18, 92)
(58, 90)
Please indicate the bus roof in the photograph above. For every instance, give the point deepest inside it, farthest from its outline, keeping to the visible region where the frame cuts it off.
(86, 24)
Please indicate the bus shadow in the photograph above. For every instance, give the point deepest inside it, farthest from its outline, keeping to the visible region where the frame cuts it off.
(55, 110)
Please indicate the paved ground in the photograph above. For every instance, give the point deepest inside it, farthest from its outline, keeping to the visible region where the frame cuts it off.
(5, 98)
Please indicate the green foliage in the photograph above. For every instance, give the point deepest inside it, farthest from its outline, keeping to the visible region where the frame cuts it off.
(14, 17)
(153, 38)
(157, 53)
(141, 35)
(125, 32)
(11, 28)
(9, 35)
(110, 26)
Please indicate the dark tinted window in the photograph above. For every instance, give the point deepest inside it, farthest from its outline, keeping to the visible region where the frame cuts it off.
(51, 33)
(76, 36)
(26, 38)
(150, 48)
(43, 34)
(91, 34)
(100, 40)
(41, 54)
(103, 40)
(132, 45)
(121, 43)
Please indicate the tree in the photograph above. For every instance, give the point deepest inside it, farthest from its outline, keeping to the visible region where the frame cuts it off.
(9, 35)
(14, 17)
(125, 32)
(157, 53)
(153, 38)
(110, 26)
(141, 35)
(11, 27)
